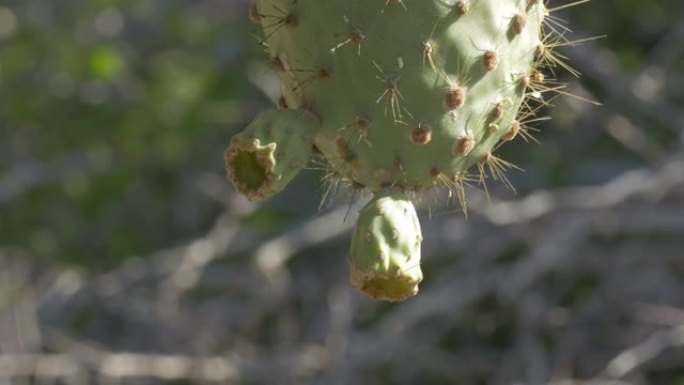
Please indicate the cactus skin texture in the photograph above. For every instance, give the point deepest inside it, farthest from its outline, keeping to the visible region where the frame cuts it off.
(379, 73)
(408, 95)
(385, 251)
(264, 157)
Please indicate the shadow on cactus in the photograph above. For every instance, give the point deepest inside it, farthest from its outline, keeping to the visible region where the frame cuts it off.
(399, 97)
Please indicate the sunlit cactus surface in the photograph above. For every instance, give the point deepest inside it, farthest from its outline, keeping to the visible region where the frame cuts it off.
(398, 97)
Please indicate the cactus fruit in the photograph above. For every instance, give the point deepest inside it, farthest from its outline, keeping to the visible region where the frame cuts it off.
(399, 96)
(385, 251)
(264, 157)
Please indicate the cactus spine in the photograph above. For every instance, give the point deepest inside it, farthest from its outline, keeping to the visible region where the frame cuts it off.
(407, 95)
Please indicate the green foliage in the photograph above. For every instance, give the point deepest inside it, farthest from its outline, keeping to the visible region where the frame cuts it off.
(146, 91)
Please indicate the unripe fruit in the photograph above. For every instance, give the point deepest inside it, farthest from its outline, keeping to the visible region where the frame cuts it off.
(384, 257)
(263, 158)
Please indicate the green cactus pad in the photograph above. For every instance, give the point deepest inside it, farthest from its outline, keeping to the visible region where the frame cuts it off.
(262, 159)
(384, 257)
(406, 90)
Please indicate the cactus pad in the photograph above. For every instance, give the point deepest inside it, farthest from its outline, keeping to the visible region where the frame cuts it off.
(406, 91)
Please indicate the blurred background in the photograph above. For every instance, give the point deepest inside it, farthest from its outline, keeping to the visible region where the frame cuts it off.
(126, 258)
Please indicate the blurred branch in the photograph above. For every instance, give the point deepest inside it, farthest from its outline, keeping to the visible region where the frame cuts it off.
(640, 354)
(600, 65)
(196, 256)
(120, 365)
(272, 254)
(647, 183)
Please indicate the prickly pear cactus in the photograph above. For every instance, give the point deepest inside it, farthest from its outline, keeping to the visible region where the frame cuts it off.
(399, 96)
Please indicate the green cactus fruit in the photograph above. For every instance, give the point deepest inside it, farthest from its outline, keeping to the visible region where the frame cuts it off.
(384, 257)
(263, 158)
(408, 94)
